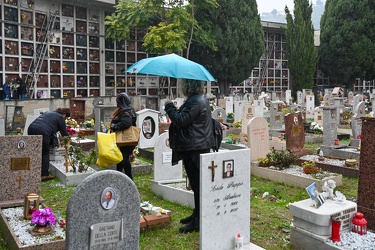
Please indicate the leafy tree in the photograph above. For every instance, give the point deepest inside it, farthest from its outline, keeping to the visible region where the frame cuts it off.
(347, 41)
(239, 38)
(170, 24)
(302, 55)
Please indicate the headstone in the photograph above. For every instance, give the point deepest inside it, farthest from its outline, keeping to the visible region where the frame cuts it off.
(339, 103)
(17, 118)
(295, 132)
(288, 97)
(103, 115)
(357, 99)
(93, 223)
(247, 114)
(257, 130)
(222, 103)
(318, 116)
(329, 125)
(2, 127)
(219, 115)
(337, 92)
(21, 161)
(238, 109)
(327, 100)
(356, 124)
(366, 181)
(225, 199)
(299, 97)
(147, 120)
(259, 108)
(163, 169)
(310, 106)
(350, 97)
(29, 120)
(276, 115)
(228, 104)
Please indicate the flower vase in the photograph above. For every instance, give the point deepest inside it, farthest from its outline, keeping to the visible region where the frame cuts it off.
(42, 229)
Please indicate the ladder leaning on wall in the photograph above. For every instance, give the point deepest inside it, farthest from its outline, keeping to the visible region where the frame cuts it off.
(40, 50)
(264, 63)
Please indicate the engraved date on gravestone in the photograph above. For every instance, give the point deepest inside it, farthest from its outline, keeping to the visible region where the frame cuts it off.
(20, 163)
(106, 233)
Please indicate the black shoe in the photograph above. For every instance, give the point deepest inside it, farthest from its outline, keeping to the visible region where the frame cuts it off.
(186, 220)
(193, 226)
(47, 178)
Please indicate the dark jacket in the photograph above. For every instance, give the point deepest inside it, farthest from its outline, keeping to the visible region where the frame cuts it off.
(22, 86)
(191, 127)
(122, 121)
(47, 124)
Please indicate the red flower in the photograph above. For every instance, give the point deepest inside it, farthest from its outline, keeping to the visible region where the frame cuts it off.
(360, 136)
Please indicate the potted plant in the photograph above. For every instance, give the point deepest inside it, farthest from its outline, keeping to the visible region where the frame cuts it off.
(281, 159)
(309, 167)
(264, 162)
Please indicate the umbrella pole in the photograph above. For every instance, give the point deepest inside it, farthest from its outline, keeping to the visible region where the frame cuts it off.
(170, 89)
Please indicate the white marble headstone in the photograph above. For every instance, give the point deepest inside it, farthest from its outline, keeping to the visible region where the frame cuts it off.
(238, 109)
(163, 169)
(310, 106)
(225, 202)
(359, 112)
(357, 99)
(247, 114)
(288, 97)
(299, 98)
(228, 104)
(259, 108)
(258, 134)
(29, 120)
(147, 120)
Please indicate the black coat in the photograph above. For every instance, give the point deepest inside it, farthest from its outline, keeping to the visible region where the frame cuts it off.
(191, 127)
(122, 121)
(48, 124)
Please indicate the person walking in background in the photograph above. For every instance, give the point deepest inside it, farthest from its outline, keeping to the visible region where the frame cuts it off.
(190, 135)
(47, 124)
(21, 88)
(124, 117)
(6, 92)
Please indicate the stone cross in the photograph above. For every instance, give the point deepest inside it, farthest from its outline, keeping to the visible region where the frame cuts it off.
(19, 179)
(212, 167)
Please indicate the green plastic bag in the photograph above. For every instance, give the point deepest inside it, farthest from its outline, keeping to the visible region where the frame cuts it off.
(108, 151)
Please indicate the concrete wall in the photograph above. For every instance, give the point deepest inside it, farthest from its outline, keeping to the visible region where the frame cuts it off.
(51, 104)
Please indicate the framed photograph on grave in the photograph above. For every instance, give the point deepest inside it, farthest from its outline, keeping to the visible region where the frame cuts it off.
(21, 144)
(314, 194)
(108, 198)
(228, 168)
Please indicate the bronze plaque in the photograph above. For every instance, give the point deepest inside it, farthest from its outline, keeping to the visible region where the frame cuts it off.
(277, 118)
(20, 163)
(296, 130)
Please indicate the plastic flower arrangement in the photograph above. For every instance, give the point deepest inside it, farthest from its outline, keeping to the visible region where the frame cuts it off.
(43, 217)
(71, 123)
(316, 128)
(70, 131)
(237, 124)
(282, 136)
(89, 124)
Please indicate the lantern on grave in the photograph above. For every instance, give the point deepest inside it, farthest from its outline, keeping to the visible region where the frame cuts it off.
(31, 204)
(359, 224)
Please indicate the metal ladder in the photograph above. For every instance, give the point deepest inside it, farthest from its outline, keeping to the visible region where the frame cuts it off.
(39, 54)
(264, 63)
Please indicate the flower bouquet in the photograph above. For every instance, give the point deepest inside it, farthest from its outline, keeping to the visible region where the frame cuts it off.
(43, 217)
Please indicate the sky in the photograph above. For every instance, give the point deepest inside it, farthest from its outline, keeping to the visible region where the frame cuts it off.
(269, 5)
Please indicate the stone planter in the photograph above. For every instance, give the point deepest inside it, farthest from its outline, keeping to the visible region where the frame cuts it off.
(57, 168)
(343, 170)
(290, 179)
(173, 194)
(14, 243)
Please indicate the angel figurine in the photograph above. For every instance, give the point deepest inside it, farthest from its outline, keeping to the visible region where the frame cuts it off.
(328, 188)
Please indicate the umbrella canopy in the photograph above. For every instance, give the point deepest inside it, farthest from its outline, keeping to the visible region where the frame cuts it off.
(171, 65)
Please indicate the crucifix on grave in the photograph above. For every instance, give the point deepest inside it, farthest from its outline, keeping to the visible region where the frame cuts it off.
(19, 179)
(212, 167)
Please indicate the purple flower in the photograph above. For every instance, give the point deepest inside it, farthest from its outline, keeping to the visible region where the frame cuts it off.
(43, 217)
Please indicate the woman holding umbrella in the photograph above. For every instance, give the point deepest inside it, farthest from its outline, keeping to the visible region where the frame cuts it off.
(190, 135)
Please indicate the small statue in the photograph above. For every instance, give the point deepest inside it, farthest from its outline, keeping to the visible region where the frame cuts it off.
(328, 189)
(340, 197)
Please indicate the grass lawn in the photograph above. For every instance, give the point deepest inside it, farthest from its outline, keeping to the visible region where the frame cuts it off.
(270, 217)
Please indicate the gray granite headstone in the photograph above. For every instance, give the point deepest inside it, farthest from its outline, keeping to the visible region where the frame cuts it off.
(20, 167)
(225, 199)
(359, 113)
(103, 115)
(220, 115)
(163, 169)
(276, 115)
(2, 127)
(329, 125)
(93, 225)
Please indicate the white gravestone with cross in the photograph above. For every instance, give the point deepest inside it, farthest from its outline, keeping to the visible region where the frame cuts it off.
(225, 199)
(228, 104)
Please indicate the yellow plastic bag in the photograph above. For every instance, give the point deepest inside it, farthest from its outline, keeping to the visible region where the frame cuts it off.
(108, 152)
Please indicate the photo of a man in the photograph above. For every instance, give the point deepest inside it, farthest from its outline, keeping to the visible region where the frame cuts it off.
(21, 144)
(108, 198)
(228, 169)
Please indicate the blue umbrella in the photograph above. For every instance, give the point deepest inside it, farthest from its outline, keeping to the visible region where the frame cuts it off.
(171, 65)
